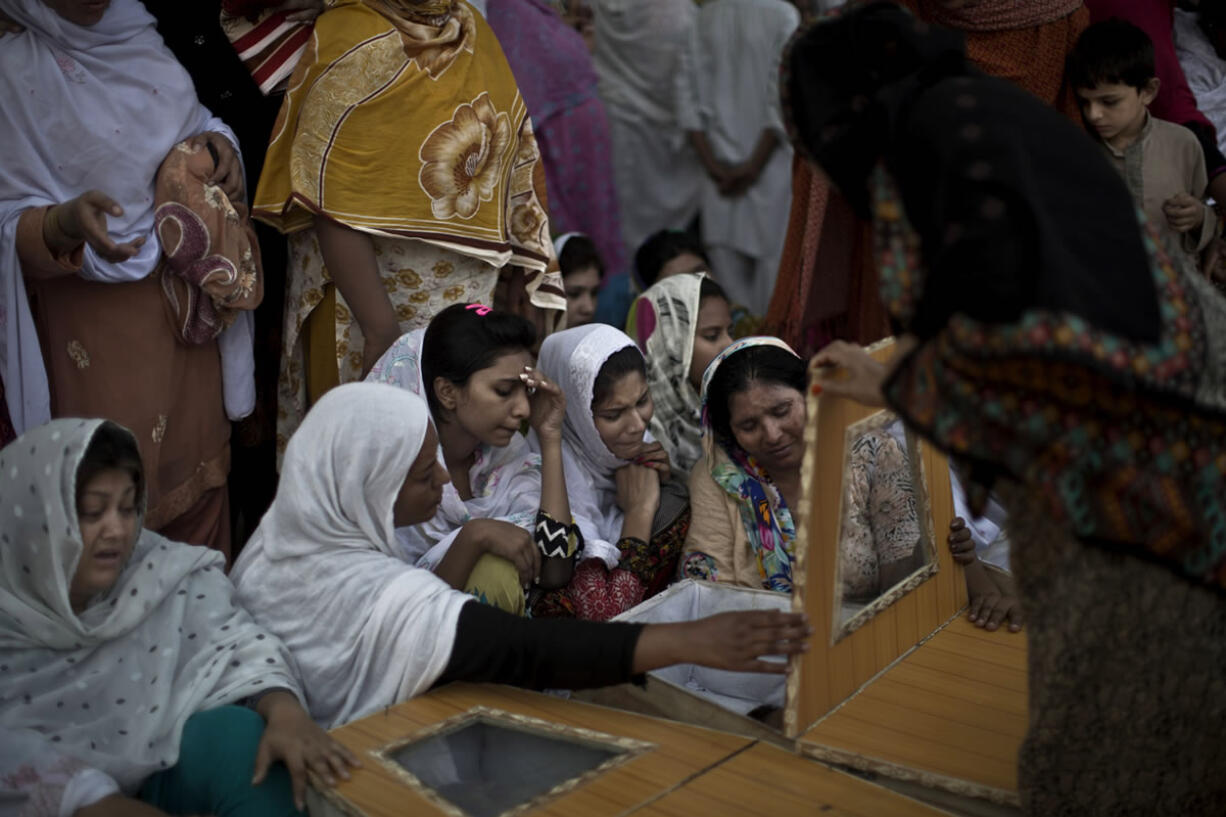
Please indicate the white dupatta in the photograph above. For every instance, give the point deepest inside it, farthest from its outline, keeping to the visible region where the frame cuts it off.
(573, 359)
(323, 571)
(92, 107)
(108, 688)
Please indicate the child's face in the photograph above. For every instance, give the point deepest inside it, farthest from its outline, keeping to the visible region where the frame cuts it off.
(582, 288)
(1116, 110)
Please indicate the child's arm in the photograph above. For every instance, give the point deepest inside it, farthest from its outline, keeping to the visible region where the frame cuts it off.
(1194, 218)
(1010, 606)
(1187, 212)
(991, 600)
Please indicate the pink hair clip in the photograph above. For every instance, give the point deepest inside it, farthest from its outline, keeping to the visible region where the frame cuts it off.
(479, 309)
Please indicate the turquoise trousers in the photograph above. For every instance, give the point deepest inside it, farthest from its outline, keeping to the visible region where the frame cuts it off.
(216, 763)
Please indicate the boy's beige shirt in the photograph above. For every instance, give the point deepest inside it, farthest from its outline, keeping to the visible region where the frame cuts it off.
(1165, 160)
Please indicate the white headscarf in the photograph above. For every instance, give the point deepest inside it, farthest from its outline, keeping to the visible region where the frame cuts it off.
(95, 107)
(506, 481)
(322, 571)
(573, 359)
(111, 686)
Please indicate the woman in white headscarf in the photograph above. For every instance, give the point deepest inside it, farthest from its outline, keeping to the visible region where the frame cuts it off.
(633, 517)
(504, 525)
(368, 630)
(121, 652)
(128, 267)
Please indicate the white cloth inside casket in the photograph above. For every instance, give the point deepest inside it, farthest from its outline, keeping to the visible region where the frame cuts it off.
(740, 692)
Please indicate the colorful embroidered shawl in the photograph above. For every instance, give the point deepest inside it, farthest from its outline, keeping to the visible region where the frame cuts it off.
(1058, 346)
(405, 130)
(767, 519)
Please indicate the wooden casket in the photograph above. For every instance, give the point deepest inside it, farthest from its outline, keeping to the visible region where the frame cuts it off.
(907, 687)
(470, 750)
(899, 685)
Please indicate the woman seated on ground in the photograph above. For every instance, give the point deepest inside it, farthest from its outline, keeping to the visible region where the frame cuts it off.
(744, 488)
(324, 573)
(123, 654)
(582, 277)
(504, 524)
(681, 323)
(748, 479)
(632, 514)
(125, 252)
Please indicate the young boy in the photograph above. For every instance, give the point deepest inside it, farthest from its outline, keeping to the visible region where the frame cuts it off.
(1112, 71)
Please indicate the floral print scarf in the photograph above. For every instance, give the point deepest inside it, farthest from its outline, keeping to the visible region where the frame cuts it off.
(407, 130)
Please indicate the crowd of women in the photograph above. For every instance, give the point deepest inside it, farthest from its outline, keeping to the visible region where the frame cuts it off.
(468, 491)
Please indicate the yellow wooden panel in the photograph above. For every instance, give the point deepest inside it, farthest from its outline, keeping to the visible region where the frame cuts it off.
(885, 748)
(885, 637)
(927, 615)
(680, 752)
(953, 711)
(941, 497)
(906, 626)
(985, 691)
(768, 781)
(830, 673)
(864, 660)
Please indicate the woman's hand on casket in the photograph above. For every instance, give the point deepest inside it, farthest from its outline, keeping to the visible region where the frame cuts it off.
(846, 370)
(734, 641)
(83, 219)
(293, 738)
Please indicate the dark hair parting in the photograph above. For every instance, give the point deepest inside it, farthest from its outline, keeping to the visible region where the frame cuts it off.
(753, 364)
(578, 253)
(619, 364)
(112, 447)
(662, 247)
(460, 342)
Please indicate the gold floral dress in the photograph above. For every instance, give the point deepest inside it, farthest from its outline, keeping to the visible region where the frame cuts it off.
(415, 133)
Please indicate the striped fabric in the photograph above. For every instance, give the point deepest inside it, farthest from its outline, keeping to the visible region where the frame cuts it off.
(268, 44)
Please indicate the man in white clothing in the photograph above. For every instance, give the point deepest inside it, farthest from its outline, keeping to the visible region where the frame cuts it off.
(640, 45)
(728, 102)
